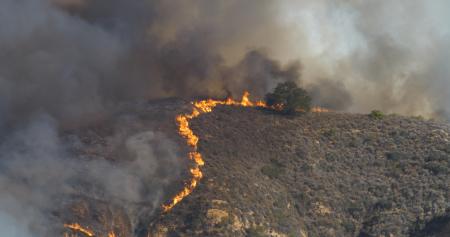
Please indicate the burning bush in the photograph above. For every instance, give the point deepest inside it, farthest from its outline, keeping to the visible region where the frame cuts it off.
(289, 98)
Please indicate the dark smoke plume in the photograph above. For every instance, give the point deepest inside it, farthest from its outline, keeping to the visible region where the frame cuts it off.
(73, 58)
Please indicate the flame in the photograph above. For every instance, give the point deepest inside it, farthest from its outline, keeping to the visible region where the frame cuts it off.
(317, 109)
(201, 107)
(111, 234)
(86, 231)
(79, 228)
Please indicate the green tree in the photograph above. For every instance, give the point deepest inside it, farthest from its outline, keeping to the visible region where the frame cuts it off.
(289, 98)
(376, 114)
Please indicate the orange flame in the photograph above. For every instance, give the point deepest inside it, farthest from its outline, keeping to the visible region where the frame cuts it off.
(79, 228)
(317, 109)
(201, 107)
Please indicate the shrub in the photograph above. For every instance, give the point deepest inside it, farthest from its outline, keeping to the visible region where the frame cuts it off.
(272, 171)
(436, 168)
(255, 232)
(290, 98)
(306, 167)
(349, 226)
(282, 218)
(395, 156)
(383, 204)
(355, 211)
(329, 132)
(419, 117)
(376, 114)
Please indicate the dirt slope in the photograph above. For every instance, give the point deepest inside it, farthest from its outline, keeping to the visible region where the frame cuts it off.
(328, 174)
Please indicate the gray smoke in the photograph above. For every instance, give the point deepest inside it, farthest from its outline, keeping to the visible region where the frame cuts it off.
(65, 63)
(75, 59)
(36, 170)
(387, 55)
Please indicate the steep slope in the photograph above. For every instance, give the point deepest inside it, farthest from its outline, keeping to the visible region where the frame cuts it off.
(319, 174)
(109, 149)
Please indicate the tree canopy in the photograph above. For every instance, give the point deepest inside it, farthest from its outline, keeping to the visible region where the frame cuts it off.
(289, 98)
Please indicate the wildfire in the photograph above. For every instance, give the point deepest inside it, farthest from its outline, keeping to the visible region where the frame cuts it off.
(317, 109)
(79, 228)
(199, 108)
(202, 107)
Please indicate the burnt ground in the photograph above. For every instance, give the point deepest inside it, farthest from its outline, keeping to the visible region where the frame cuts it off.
(329, 174)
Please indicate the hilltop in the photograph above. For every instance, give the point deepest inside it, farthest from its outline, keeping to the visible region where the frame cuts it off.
(317, 174)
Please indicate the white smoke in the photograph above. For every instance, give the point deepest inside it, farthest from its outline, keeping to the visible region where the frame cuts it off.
(389, 55)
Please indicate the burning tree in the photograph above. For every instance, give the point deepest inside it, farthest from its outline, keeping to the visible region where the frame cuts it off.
(289, 98)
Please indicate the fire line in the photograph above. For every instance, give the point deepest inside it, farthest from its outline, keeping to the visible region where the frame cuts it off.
(199, 108)
(86, 231)
(184, 129)
(79, 228)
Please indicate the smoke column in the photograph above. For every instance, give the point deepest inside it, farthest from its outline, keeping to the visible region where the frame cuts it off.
(66, 63)
(388, 55)
(76, 57)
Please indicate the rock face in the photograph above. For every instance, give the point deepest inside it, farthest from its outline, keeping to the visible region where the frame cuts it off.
(327, 174)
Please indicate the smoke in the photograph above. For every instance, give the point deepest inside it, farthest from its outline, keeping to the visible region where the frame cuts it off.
(11, 226)
(387, 55)
(65, 63)
(73, 58)
(36, 170)
(330, 94)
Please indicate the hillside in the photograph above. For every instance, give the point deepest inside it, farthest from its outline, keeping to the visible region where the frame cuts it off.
(327, 174)
(316, 174)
